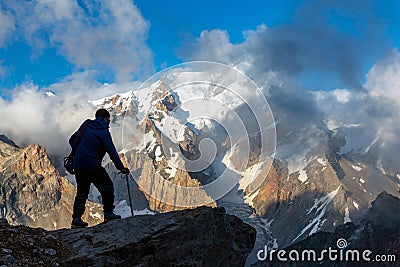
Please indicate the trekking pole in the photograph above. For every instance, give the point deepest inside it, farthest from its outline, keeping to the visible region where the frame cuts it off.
(129, 194)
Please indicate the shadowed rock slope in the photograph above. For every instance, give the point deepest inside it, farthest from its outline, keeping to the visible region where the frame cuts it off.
(378, 231)
(199, 237)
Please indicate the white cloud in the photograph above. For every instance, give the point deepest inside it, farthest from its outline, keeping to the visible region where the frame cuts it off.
(33, 117)
(56, 10)
(85, 83)
(383, 80)
(342, 95)
(102, 35)
(370, 114)
(383, 84)
(215, 45)
(212, 45)
(117, 41)
(338, 95)
(7, 26)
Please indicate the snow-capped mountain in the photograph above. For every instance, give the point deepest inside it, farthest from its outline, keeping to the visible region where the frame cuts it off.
(206, 138)
(320, 177)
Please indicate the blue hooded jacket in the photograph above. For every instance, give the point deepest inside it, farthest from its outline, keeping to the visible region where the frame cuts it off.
(95, 143)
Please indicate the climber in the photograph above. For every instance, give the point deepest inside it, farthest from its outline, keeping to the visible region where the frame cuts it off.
(95, 142)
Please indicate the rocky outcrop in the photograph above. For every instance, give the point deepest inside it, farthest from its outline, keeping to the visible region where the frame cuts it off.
(153, 183)
(7, 146)
(274, 191)
(25, 246)
(296, 207)
(155, 179)
(119, 104)
(158, 173)
(199, 237)
(378, 231)
(33, 193)
(328, 192)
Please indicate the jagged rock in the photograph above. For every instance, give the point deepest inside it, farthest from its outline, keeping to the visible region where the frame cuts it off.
(169, 102)
(8, 141)
(287, 201)
(378, 231)
(200, 237)
(119, 104)
(317, 198)
(384, 213)
(33, 193)
(161, 197)
(7, 147)
(151, 174)
(3, 222)
(8, 259)
(25, 246)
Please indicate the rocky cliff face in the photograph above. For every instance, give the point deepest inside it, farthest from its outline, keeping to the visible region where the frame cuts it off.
(328, 192)
(7, 146)
(33, 193)
(198, 237)
(150, 174)
(378, 231)
(157, 165)
(298, 208)
(149, 162)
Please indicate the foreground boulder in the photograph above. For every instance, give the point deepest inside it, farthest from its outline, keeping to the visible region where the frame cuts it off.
(25, 246)
(199, 237)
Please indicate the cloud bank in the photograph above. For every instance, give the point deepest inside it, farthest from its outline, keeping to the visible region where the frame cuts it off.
(290, 62)
(312, 44)
(33, 117)
(108, 36)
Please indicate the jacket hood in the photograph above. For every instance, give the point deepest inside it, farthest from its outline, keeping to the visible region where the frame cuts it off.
(98, 124)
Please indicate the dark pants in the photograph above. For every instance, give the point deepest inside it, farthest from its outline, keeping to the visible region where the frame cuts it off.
(101, 180)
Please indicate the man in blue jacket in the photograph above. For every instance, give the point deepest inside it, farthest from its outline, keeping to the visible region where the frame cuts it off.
(95, 142)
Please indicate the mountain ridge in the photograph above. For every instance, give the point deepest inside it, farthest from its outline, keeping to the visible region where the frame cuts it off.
(312, 176)
(33, 193)
(377, 231)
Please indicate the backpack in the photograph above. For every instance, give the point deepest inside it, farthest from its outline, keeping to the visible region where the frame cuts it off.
(74, 142)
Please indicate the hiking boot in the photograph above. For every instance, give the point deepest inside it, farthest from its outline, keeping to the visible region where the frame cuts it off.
(111, 216)
(78, 223)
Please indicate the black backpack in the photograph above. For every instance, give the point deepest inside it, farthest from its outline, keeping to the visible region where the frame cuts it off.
(74, 142)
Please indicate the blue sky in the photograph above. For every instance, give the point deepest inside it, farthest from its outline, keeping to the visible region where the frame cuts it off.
(59, 41)
(173, 23)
